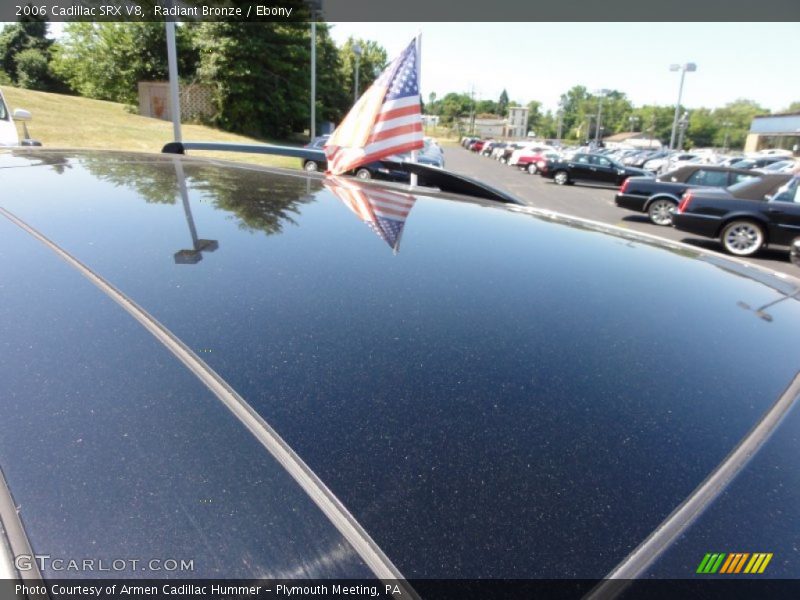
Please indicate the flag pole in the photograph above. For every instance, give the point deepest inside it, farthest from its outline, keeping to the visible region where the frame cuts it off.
(419, 89)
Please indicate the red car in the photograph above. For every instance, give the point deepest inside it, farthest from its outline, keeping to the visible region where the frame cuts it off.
(533, 162)
(477, 145)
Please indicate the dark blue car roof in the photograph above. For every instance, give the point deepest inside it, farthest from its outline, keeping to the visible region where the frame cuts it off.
(487, 393)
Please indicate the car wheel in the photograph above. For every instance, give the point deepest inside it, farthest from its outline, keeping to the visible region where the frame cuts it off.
(532, 168)
(660, 212)
(311, 166)
(742, 238)
(363, 174)
(561, 177)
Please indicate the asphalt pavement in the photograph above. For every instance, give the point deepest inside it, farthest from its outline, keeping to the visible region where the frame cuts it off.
(593, 202)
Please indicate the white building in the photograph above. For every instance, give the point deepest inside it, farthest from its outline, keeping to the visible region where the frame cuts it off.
(517, 122)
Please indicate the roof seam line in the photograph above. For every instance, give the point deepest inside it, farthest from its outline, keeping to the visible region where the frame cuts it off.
(312, 485)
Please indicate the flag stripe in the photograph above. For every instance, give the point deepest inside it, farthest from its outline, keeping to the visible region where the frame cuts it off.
(395, 132)
(400, 103)
(383, 146)
(385, 115)
(392, 123)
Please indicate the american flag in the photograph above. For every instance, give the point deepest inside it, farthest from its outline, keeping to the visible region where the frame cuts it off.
(384, 211)
(386, 120)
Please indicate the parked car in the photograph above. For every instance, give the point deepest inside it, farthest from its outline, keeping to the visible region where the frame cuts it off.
(745, 217)
(532, 162)
(314, 401)
(782, 166)
(528, 150)
(382, 169)
(592, 168)
(660, 197)
(758, 162)
(638, 160)
(8, 127)
(498, 149)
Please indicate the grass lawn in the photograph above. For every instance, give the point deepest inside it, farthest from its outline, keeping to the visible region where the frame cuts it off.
(61, 121)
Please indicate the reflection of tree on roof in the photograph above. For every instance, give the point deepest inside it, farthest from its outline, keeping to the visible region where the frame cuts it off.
(261, 200)
(55, 160)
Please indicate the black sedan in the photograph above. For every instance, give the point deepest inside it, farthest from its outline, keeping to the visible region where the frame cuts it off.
(336, 389)
(745, 217)
(660, 196)
(383, 170)
(591, 168)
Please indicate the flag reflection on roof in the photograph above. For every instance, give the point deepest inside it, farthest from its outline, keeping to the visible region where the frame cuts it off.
(385, 211)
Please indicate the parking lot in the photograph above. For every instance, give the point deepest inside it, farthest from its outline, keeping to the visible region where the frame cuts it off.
(589, 202)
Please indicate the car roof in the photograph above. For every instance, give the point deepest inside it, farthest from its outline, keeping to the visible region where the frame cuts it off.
(448, 368)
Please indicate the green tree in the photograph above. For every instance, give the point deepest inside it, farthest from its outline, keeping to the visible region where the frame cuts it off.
(371, 63)
(25, 54)
(453, 107)
(488, 107)
(33, 71)
(535, 117)
(739, 115)
(107, 60)
(702, 130)
(502, 103)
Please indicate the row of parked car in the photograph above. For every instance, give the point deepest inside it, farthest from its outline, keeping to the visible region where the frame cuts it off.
(746, 202)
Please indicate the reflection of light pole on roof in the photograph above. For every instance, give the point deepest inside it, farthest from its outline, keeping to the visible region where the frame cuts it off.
(760, 312)
(190, 256)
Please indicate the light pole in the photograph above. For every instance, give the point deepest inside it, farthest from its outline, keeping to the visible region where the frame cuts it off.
(357, 52)
(682, 125)
(560, 123)
(726, 125)
(602, 94)
(315, 6)
(691, 68)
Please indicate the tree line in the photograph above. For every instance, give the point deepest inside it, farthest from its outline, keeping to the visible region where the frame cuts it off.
(259, 72)
(576, 118)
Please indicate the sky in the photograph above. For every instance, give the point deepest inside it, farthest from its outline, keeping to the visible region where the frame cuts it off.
(540, 61)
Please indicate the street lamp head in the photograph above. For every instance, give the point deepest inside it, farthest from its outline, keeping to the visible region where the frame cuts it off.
(356, 49)
(674, 67)
(691, 67)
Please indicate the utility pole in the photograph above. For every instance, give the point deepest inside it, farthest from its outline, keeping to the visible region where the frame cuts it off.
(472, 111)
